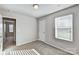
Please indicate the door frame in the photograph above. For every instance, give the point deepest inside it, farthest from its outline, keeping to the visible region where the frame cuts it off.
(11, 19)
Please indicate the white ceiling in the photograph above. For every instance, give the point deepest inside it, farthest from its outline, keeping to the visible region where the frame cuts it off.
(44, 9)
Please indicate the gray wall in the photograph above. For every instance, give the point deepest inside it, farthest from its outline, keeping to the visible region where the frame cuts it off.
(72, 47)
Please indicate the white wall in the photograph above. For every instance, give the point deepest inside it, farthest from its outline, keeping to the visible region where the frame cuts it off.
(25, 27)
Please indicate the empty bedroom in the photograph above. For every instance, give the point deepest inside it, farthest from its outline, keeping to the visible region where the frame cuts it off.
(39, 29)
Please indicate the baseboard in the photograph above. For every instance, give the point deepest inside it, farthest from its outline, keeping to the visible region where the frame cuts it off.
(59, 48)
(25, 42)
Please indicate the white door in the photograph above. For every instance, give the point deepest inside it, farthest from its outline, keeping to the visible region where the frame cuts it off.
(1, 34)
(42, 26)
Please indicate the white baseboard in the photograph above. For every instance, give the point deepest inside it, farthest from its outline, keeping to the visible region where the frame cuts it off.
(25, 42)
(61, 48)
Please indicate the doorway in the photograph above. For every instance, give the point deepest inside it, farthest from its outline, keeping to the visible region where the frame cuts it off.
(9, 32)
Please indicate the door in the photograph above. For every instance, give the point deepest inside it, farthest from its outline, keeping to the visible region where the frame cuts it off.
(9, 32)
(42, 27)
(1, 34)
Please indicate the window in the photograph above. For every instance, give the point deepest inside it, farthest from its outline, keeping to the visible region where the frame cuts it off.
(10, 27)
(63, 27)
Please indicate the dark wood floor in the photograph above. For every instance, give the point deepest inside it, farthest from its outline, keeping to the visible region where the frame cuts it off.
(8, 43)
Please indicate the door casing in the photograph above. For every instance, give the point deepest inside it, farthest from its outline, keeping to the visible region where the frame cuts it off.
(11, 19)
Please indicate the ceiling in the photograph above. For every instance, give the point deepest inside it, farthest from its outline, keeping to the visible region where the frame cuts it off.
(28, 9)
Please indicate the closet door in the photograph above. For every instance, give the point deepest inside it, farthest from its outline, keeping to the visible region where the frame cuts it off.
(1, 33)
(42, 28)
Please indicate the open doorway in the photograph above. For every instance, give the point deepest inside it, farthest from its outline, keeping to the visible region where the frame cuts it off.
(9, 32)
